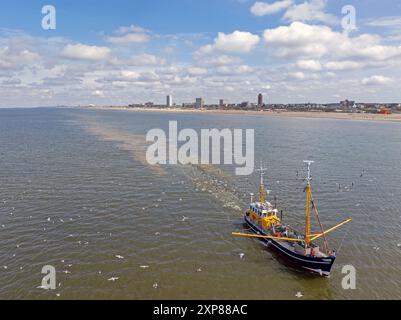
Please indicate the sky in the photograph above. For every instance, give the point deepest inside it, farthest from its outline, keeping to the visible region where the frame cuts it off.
(134, 51)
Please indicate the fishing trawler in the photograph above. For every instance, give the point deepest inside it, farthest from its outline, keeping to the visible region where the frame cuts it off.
(300, 249)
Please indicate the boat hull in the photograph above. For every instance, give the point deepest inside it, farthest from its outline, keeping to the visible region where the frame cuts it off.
(321, 266)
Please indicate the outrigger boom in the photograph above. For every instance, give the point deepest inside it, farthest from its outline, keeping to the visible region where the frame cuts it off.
(315, 236)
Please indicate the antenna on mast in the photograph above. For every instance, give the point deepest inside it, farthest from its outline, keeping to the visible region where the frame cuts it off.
(262, 186)
(262, 172)
(309, 177)
(308, 205)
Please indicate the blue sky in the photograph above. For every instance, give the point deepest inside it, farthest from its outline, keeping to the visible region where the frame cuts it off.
(82, 20)
(118, 52)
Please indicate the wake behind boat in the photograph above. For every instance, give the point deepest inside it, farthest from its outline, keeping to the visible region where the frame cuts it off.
(300, 249)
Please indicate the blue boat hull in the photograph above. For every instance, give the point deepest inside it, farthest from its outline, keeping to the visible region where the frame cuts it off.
(321, 266)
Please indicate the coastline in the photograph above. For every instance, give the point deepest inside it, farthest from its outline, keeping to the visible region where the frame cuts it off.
(283, 114)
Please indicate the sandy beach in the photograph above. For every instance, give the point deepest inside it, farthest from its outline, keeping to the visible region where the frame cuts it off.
(290, 114)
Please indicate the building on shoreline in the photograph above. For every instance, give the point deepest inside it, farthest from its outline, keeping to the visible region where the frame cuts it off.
(222, 103)
(200, 103)
(169, 101)
(260, 100)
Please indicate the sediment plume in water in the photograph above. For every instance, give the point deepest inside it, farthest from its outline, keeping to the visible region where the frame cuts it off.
(135, 144)
(205, 178)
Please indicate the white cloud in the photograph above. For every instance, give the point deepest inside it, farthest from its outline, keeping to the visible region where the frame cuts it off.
(131, 28)
(128, 38)
(313, 10)
(300, 40)
(234, 70)
(343, 65)
(98, 93)
(129, 35)
(262, 8)
(145, 60)
(16, 58)
(236, 42)
(376, 80)
(391, 25)
(85, 52)
(221, 60)
(195, 71)
(127, 75)
(297, 75)
(385, 22)
(310, 65)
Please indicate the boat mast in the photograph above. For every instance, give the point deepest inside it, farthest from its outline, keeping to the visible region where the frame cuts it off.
(262, 186)
(308, 204)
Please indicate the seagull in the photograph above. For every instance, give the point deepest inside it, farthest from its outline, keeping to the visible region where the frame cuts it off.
(119, 257)
(299, 295)
(113, 279)
(157, 233)
(241, 255)
(66, 272)
(199, 270)
(184, 218)
(155, 285)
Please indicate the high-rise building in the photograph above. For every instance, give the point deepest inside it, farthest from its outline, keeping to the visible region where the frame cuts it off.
(169, 101)
(199, 103)
(260, 100)
(222, 103)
